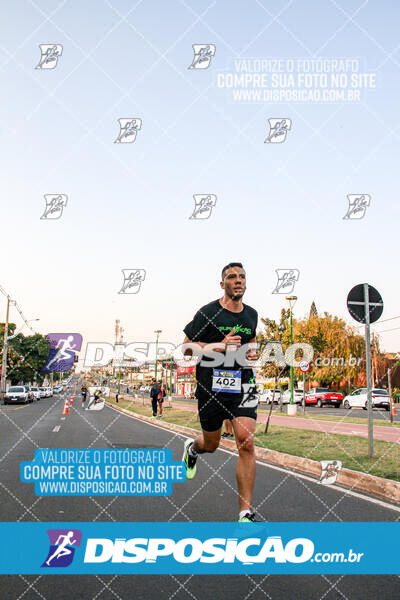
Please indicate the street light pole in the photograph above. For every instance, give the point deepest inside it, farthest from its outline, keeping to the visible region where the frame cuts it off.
(157, 331)
(292, 301)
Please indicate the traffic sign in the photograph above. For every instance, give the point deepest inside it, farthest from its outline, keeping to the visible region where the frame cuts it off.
(365, 305)
(356, 303)
(304, 366)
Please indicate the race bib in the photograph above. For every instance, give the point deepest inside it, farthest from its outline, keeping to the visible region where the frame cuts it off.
(227, 381)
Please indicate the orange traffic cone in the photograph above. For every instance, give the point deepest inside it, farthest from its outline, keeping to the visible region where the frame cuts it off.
(71, 401)
(393, 410)
(66, 408)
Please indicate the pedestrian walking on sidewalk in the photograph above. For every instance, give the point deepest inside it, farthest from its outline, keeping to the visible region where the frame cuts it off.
(160, 400)
(228, 433)
(154, 391)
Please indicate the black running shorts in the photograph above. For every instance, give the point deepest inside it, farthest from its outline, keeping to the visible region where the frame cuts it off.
(213, 410)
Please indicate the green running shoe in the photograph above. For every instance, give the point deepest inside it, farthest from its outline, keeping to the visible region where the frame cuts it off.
(248, 518)
(190, 461)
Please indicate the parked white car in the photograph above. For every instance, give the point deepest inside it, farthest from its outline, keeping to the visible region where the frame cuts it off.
(267, 395)
(297, 397)
(16, 393)
(36, 392)
(358, 398)
(43, 392)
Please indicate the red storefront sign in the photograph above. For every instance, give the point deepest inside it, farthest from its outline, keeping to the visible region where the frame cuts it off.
(182, 370)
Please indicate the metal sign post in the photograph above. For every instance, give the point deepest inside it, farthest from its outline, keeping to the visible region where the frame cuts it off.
(368, 369)
(365, 305)
(390, 393)
(304, 368)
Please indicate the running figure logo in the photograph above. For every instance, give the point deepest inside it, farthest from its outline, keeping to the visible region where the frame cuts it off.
(62, 351)
(132, 280)
(128, 130)
(358, 204)
(50, 54)
(203, 205)
(286, 280)
(278, 129)
(330, 471)
(63, 543)
(55, 204)
(203, 54)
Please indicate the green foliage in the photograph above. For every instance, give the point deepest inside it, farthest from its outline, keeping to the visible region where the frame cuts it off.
(329, 336)
(26, 356)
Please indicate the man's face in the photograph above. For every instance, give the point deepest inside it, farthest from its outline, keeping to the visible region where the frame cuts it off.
(234, 282)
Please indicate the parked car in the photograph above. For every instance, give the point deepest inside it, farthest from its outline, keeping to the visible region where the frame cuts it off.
(321, 396)
(31, 397)
(49, 391)
(380, 399)
(16, 393)
(57, 389)
(297, 397)
(267, 395)
(36, 392)
(43, 393)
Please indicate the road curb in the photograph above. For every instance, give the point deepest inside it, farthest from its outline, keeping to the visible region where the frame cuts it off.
(377, 487)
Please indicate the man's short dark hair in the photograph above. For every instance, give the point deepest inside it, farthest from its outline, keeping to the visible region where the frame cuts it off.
(229, 266)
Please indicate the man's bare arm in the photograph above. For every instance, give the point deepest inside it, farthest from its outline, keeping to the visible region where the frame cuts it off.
(229, 340)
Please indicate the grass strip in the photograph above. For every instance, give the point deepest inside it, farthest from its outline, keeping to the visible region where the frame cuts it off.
(315, 445)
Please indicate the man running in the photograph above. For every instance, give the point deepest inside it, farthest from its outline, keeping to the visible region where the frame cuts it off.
(84, 394)
(226, 391)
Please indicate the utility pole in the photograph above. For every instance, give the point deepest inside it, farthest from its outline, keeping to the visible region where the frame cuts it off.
(4, 359)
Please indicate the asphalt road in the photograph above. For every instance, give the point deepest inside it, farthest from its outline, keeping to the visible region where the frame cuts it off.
(211, 496)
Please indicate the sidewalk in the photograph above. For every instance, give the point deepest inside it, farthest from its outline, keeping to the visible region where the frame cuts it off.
(381, 432)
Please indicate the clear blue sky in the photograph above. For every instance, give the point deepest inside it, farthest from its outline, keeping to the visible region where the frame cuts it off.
(278, 206)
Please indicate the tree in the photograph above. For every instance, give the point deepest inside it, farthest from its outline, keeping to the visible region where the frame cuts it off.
(332, 340)
(276, 331)
(26, 356)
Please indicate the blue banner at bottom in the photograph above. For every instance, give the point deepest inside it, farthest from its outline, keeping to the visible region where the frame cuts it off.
(199, 548)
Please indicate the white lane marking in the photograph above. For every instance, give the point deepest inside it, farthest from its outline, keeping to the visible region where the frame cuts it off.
(57, 428)
(62, 418)
(337, 488)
